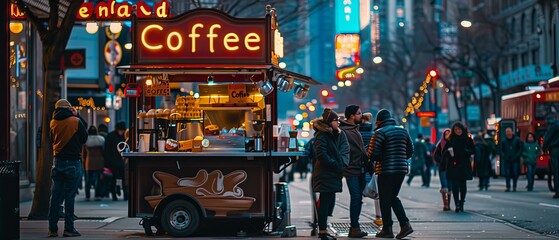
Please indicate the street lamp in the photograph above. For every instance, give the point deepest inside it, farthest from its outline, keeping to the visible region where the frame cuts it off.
(115, 27)
(91, 27)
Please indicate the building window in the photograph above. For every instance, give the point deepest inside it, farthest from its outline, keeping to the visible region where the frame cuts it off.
(533, 21)
(513, 62)
(522, 26)
(512, 28)
(524, 59)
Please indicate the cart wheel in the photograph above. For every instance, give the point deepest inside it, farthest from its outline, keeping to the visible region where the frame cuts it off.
(180, 218)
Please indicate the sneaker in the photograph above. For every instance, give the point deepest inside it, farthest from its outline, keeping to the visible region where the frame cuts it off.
(404, 231)
(71, 233)
(53, 234)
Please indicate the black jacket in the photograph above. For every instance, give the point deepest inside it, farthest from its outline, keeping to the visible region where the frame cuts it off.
(482, 160)
(366, 130)
(357, 152)
(390, 148)
(113, 160)
(511, 150)
(551, 138)
(459, 167)
(331, 151)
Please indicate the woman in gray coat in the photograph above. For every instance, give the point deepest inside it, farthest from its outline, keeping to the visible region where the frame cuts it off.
(332, 154)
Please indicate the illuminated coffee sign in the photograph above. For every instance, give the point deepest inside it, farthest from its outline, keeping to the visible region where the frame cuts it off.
(111, 10)
(201, 36)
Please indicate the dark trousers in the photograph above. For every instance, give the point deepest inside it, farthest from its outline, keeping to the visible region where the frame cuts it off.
(65, 175)
(327, 202)
(530, 172)
(118, 173)
(389, 188)
(355, 184)
(92, 177)
(511, 172)
(459, 190)
(426, 175)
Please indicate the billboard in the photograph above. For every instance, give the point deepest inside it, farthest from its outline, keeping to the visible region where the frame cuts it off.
(347, 16)
(347, 56)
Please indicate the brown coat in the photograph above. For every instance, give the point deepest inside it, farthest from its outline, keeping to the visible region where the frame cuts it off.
(92, 153)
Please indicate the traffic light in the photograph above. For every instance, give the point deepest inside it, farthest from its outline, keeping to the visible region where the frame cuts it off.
(434, 74)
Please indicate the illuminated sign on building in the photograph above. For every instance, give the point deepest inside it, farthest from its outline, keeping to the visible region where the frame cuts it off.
(202, 36)
(347, 16)
(347, 55)
(111, 10)
(15, 13)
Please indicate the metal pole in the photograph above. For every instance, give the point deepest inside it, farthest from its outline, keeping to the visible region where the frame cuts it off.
(64, 85)
(481, 116)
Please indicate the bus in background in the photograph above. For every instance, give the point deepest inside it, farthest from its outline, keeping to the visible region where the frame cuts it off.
(529, 110)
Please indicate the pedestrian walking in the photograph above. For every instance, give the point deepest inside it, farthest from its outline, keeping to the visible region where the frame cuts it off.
(482, 162)
(532, 151)
(366, 128)
(68, 133)
(442, 157)
(113, 159)
(354, 173)
(511, 151)
(332, 155)
(459, 168)
(417, 165)
(551, 146)
(93, 163)
(429, 162)
(389, 149)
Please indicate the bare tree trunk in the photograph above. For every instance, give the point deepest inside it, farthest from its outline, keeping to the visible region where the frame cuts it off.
(41, 197)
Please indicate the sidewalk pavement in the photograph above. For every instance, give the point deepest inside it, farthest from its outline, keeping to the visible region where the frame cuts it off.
(108, 220)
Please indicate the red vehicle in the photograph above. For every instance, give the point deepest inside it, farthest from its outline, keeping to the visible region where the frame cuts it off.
(529, 109)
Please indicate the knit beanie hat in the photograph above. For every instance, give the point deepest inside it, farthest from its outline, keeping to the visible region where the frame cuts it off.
(62, 103)
(328, 115)
(350, 109)
(383, 115)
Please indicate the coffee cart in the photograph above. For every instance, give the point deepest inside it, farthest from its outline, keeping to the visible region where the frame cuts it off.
(212, 157)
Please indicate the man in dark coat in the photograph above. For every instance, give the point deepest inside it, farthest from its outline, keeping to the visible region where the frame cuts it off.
(68, 133)
(418, 159)
(354, 172)
(113, 159)
(332, 155)
(390, 148)
(511, 151)
(551, 145)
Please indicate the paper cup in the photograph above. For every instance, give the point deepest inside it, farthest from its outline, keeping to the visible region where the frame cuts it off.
(144, 138)
(451, 151)
(161, 145)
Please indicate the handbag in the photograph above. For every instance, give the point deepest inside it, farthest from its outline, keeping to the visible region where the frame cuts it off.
(371, 189)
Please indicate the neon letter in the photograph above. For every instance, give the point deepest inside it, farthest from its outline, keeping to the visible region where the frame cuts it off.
(230, 37)
(83, 13)
(252, 38)
(123, 11)
(152, 47)
(212, 35)
(179, 38)
(193, 35)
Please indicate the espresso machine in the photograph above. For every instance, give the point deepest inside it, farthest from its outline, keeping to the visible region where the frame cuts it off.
(255, 142)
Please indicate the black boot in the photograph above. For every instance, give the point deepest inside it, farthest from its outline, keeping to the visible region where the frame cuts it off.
(326, 236)
(461, 205)
(405, 230)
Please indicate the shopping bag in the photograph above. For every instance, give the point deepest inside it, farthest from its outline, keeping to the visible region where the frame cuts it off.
(371, 189)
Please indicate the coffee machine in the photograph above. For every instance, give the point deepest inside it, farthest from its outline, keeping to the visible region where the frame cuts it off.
(255, 142)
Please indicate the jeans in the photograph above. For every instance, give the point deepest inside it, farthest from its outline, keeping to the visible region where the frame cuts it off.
(483, 182)
(65, 175)
(511, 172)
(92, 178)
(445, 182)
(530, 172)
(554, 157)
(426, 175)
(327, 202)
(389, 188)
(355, 184)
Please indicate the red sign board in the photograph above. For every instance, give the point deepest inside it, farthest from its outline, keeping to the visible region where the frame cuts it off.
(347, 56)
(427, 114)
(74, 59)
(201, 36)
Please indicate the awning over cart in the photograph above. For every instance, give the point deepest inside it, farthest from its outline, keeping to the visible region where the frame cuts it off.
(219, 72)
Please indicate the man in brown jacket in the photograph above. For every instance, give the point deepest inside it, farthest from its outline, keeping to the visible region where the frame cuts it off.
(68, 134)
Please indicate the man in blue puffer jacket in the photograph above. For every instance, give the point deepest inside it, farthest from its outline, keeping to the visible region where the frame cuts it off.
(390, 147)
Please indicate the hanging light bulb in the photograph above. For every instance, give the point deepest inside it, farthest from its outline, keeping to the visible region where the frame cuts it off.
(115, 27)
(16, 27)
(91, 27)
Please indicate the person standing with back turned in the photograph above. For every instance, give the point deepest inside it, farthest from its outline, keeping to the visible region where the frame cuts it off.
(332, 155)
(68, 133)
(354, 173)
(390, 147)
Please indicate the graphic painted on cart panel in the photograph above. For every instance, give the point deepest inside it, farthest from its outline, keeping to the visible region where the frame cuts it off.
(213, 190)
